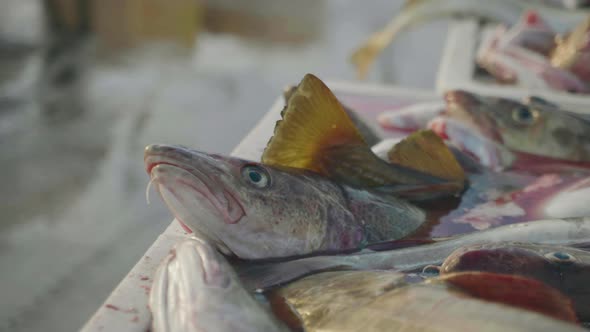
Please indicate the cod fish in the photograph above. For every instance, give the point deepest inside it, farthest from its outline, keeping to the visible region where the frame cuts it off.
(564, 268)
(573, 51)
(449, 304)
(417, 11)
(195, 289)
(535, 131)
(256, 211)
(572, 231)
(316, 134)
(316, 298)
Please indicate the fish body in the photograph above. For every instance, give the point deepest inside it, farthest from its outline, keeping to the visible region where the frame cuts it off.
(256, 211)
(317, 298)
(195, 289)
(514, 64)
(411, 118)
(547, 196)
(535, 127)
(440, 306)
(564, 268)
(552, 231)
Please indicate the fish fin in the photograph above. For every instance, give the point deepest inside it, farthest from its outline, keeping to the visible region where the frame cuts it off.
(426, 152)
(312, 122)
(270, 275)
(514, 290)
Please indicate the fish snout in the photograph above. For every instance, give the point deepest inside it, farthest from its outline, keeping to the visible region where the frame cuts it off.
(460, 97)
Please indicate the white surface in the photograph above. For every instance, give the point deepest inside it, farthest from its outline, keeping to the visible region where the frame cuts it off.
(458, 66)
(126, 309)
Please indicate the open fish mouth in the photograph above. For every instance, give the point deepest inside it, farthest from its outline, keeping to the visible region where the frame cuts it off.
(172, 167)
(464, 106)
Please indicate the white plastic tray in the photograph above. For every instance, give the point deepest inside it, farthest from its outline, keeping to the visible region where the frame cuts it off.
(126, 308)
(458, 67)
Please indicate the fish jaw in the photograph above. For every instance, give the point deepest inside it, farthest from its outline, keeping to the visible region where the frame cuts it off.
(488, 152)
(466, 107)
(195, 172)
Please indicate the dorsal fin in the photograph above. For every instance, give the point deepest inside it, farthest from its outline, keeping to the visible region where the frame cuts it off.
(425, 151)
(313, 122)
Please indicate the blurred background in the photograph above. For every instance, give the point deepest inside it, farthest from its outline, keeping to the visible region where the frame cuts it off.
(85, 85)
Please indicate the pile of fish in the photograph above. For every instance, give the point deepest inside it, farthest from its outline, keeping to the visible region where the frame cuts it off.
(531, 54)
(424, 233)
(519, 53)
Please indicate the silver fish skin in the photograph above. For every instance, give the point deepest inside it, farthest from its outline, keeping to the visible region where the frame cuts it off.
(254, 211)
(571, 231)
(195, 289)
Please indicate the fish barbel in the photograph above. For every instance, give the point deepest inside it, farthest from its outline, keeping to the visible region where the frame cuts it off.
(256, 211)
(564, 268)
(570, 231)
(195, 289)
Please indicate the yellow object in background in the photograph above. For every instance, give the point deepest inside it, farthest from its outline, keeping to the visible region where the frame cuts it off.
(129, 23)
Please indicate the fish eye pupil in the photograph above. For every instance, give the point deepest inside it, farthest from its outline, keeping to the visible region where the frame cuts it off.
(523, 115)
(561, 255)
(255, 176)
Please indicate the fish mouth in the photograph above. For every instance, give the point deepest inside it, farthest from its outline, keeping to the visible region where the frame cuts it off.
(465, 107)
(197, 172)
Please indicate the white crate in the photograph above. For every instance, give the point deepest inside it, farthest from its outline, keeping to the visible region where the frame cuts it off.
(458, 67)
(126, 308)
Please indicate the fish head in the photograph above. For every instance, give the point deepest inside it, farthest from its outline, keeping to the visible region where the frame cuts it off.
(245, 208)
(536, 126)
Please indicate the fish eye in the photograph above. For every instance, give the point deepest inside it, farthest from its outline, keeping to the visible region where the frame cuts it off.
(256, 176)
(430, 271)
(523, 115)
(560, 257)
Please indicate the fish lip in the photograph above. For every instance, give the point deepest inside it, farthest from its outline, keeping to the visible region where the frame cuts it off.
(173, 159)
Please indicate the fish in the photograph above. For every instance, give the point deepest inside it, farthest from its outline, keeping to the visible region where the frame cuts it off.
(563, 268)
(515, 64)
(318, 297)
(370, 136)
(572, 52)
(547, 196)
(316, 134)
(195, 289)
(443, 305)
(411, 118)
(418, 11)
(571, 231)
(255, 211)
(533, 128)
